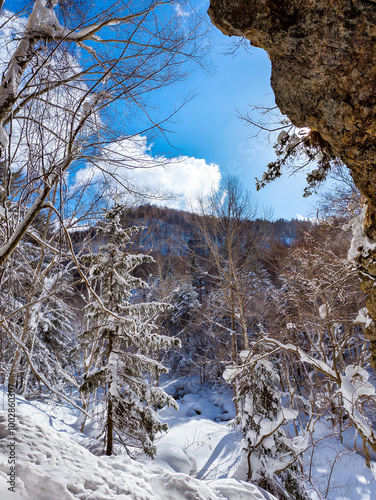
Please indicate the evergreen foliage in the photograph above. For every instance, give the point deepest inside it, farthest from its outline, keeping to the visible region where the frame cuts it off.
(123, 337)
(267, 447)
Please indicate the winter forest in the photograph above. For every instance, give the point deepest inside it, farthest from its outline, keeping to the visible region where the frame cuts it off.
(151, 352)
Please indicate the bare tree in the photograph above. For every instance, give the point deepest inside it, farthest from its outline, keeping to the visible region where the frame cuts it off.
(73, 79)
(223, 219)
(52, 107)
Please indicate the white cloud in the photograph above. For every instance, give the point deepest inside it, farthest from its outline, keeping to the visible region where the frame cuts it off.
(180, 11)
(129, 166)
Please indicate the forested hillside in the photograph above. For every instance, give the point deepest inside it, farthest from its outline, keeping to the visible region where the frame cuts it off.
(273, 309)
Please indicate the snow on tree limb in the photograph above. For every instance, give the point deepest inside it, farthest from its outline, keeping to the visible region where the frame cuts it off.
(39, 375)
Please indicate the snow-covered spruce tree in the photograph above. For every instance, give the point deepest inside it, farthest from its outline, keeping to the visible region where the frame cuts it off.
(185, 301)
(270, 456)
(122, 337)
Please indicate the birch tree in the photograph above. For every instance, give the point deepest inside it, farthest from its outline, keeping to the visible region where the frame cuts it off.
(74, 75)
(59, 74)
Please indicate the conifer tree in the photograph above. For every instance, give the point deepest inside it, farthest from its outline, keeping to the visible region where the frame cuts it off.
(123, 337)
(268, 450)
(185, 301)
(181, 322)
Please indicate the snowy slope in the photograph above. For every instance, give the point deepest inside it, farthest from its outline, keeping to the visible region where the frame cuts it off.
(52, 465)
(198, 459)
(336, 471)
(200, 430)
(211, 448)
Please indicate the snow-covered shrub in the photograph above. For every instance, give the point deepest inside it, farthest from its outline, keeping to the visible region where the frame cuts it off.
(269, 452)
(34, 294)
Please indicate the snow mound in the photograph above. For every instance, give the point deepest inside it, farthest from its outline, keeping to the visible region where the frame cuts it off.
(51, 465)
(232, 488)
(49, 462)
(173, 458)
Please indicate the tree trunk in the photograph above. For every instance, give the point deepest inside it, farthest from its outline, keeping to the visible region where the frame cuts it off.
(234, 351)
(109, 428)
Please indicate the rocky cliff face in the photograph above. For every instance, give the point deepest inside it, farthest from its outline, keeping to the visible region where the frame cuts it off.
(323, 55)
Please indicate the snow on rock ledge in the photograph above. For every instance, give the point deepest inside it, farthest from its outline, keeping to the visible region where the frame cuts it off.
(51, 465)
(360, 243)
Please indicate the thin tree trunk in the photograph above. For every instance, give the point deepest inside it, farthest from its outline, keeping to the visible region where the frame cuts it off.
(110, 421)
(234, 352)
(366, 452)
(110, 428)
(85, 406)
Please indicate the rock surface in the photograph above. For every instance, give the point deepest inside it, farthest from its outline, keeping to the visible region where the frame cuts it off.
(323, 55)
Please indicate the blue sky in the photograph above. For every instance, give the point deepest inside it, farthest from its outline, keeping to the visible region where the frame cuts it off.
(209, 126)
(209, 134)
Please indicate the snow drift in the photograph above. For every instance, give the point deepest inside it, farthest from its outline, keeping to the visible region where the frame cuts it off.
(51, 465)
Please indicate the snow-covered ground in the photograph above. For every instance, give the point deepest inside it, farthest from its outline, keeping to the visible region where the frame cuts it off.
(200, 429)
(198, 459)
(52, 464)
(336, 471)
